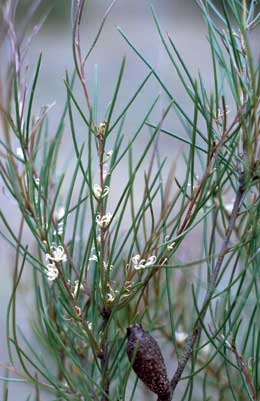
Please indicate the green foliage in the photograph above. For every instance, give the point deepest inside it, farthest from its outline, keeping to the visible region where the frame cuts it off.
(99, 266)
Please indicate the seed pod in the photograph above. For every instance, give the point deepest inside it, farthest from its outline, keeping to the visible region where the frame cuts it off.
(148, 361)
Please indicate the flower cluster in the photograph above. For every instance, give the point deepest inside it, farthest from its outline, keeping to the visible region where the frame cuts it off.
(139, 263)
(94, 258)
(52, 272)
(222, 113)
(103, 221)
(101, 129)
(111, 293)
(57, 255)
(99, 193)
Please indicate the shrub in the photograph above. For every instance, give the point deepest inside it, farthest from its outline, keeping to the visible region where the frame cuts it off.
(98, 265)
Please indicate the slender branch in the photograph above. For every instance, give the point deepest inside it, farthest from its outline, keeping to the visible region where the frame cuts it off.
(79, 63)
(99, 30)
(104, 356)
(105, 313)
(211, 288)
(105, 310)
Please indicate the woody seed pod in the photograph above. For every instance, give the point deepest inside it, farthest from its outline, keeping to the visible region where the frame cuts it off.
(148, 361)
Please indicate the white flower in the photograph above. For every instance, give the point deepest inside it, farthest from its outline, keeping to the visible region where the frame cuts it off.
(221, 113)
(101, 129)
(111, 293)
(105, 191)
(136, 259)
(89, 325)
(151, 261)
(99, 193)
(94, 258)
(58, 254)
(106, 267)
(138, 262)
(180, 337)
(37, 181)
(110, 297)
(143, 263)
(19, 153)
(170, 246)
(52, 272)
(104, 220)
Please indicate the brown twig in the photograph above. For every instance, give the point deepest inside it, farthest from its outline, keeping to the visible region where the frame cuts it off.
(105, 312)
(79, 62)
(103, 356)
(99, 30)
